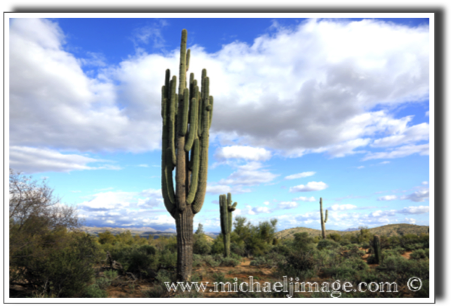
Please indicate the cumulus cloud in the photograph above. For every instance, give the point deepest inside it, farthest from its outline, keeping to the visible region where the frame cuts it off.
(410, 220)
(243, 152)
(387, 197)
(316, 94)
(337, 207)
(399, 152)
(35, 160)
(304, 198)
(257, 210)
(300, 175)
(217, 189)
(411, 134)
(249, 174)
(310, 186)
(418, 196)
(288, 204)
(414, 210)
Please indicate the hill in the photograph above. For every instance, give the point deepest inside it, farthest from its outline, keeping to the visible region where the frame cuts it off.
(142, 232)
(386, 230)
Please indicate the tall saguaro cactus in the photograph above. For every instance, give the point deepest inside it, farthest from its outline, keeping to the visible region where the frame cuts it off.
(185, 139)
(226, 208)
(323, 221)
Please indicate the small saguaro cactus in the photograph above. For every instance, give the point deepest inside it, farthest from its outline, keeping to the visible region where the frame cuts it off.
(185, 138)
(226, 208)
(377, 249)
(323, 221)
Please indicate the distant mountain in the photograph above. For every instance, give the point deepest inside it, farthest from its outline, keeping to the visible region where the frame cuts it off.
(141, 231)
(351, 229)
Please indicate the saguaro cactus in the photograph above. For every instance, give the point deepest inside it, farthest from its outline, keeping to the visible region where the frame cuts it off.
(226, 208)
(377, 249)
(323, 221)
(185, 138)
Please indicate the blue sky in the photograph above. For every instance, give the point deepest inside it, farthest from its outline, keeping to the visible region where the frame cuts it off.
(304, 108)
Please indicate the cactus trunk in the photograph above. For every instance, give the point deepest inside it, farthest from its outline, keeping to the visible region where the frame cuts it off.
(185, 151)
(323, 221)
(377, 249)
(226, 208)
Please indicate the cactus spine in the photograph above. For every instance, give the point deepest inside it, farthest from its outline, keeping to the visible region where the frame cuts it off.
(226, 208)
(377, 249)
(323, 221)
(185, 139)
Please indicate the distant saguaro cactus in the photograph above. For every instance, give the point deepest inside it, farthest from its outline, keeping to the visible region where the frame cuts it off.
(323, 221)
(185, 139)
(226, 208)
(377, 249)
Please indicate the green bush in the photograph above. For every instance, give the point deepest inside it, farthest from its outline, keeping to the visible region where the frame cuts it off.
(327, 244)
(94, 291)
(67, 269)
(419, 254)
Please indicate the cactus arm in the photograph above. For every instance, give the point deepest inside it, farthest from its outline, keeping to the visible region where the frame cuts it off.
(195, 172)
(184, 114)
(202, 178)
(171, 119)
(211, 99)
(193, 125)
(182, 63)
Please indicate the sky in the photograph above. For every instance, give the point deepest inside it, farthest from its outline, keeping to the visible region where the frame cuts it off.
(304, 109)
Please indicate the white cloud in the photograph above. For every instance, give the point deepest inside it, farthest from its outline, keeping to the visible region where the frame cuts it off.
(300, 175)
(410, 220)
(288, 204)
(414, 210)
(304, 198)
(315, 95)
(217, 189)
(243, 152)
(411, 134)
(249, 174)
(337, 207)
(418, 196)
(399, 152)
(425, 182)
(35, 160)
(310, 186)
(266, 203)
(257, 210)
(387, 197)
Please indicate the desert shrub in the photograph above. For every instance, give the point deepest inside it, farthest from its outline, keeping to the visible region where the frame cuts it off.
(201, 244)
(335, 237)
(302, 241)
(218, 245)
(419, 254)
(371, 259)
(258, 261)
(346, 270)
(299, 264)
(345, 242)
(327, 244)
(211, 261)
(197, 261)
(94, 291)
(230, 261)
(401, 269)
(67, 269)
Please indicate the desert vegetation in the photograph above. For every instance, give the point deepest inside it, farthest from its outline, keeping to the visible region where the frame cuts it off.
(51, 259)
